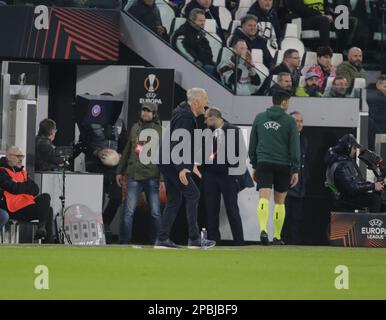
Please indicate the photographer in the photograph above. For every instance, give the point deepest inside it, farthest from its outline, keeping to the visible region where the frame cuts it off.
(344, 174)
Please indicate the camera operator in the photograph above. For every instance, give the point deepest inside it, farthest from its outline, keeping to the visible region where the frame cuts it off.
(46, 159)
(345, 175)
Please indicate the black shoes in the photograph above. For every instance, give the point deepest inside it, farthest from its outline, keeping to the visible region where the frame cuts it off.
(40, 233)
(196, 244)
(264, 238)
(166, 244)
(278, 242)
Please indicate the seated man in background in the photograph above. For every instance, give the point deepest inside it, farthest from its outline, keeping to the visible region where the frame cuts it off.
(191, 42)
(210, 12)
(352, 68)
(311, 89)
(248, 33)
(268, 24)
(147, 12)
(20, 194)
(324, 67)
(290, 64)
(339, 88)
(284, 82)
(316, 15)
(344, 174)
(46, 159)
(240, 70)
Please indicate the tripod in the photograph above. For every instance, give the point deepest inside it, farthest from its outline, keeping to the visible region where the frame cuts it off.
(62, 231)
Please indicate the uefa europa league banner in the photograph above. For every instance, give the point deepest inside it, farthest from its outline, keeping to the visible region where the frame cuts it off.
(153, 85)
(358, 229)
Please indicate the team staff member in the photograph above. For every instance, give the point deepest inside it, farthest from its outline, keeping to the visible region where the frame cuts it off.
(218, 181)
(274, 153)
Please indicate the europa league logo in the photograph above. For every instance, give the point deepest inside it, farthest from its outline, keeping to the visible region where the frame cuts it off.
(151, 83)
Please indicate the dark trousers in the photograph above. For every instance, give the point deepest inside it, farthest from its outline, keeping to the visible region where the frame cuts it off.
(291, 233)
(175, 192)
(114, 193)
(320, 23)
(216, 185)
(372, 201)
(41, 211)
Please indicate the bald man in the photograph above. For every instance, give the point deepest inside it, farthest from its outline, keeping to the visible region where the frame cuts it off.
(20, 195)
(352, 68)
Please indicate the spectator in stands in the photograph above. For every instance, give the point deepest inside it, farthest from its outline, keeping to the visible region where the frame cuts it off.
(339, 88)
(311, 89)
(20, 194)
(290, 64)
(210, 12)
(147, 12)
(284, 82)
(245, 75)
(248, 33)
(103, 4)
(324, 67)
(46, 158)
(316, 15)
(376, 100)
(191, 42)
(268, 25)
(352, 68)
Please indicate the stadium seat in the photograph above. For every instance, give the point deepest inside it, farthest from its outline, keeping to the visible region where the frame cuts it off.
(257, 56)
(232, 28)
(243, 9)
(291, 31)
(167, 15)
(279, 57)
(302, 81)
(274, 80)
(337, 59)
(219, 3)
(215, 41)
(359, 91)
(309, 34)
(177, 22)
(225, 18)
(327, 90)
(225, 54)
(310, 59)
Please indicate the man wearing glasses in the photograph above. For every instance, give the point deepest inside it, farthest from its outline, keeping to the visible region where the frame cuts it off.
(290, 64)
(20, 197)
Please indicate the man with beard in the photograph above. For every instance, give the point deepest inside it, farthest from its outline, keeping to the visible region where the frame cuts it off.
(284, 82)
(352, 68)
(311, 89)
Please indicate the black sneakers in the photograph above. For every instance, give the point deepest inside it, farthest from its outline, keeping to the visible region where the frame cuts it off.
(278, 242)
(264, 238)
(166, 244)
(196, 244)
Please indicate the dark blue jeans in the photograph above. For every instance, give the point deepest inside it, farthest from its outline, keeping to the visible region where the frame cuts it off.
(175, 191)
(3, 217)
(134, 189)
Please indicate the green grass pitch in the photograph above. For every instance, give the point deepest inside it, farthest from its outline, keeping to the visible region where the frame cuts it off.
(117, 272)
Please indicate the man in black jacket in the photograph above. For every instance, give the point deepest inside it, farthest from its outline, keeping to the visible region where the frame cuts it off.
(45, 157)
(147, 12)
(290, 64)
(218, 180)
(344, 174)
(248, 33)
(268, 22)
(210, 11)
(316, 15)
(376, 100)
(177, 169)
(295, 196)
(191, 42)
(20, 194)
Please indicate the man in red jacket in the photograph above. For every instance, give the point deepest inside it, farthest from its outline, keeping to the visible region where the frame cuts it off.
(20, 194)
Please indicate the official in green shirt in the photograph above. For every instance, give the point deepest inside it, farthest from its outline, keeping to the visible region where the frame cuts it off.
(274, 152)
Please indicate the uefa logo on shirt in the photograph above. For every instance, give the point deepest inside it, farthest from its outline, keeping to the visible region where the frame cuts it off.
(96, 110)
